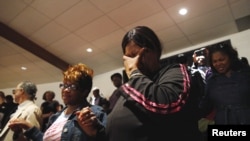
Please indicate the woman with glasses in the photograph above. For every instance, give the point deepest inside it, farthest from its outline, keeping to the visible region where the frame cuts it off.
(64, 125)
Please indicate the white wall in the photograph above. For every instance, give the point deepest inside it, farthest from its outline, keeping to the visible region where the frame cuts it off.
(240, 41)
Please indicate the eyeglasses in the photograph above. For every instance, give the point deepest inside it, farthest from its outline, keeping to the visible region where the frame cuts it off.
(68, 86)
(14, 90)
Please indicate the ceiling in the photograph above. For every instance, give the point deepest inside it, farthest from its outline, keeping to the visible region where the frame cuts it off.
(47, 35)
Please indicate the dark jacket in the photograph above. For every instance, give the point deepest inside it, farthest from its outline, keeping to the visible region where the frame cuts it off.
(7, 109)
(229, 96)
(113, 98)
(148, 106)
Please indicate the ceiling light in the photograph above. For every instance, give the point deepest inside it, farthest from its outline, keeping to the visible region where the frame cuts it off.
(23, 68)
(183, 11)
(89, 50)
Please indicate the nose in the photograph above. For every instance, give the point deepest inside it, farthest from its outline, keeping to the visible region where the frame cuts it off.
(66, 89)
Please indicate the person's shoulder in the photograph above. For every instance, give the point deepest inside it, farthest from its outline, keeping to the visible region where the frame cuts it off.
(56, 102)
(33, 108)
(245, 72)
(30, 105)
(4, 104)
(3, 107)
(103, 98)
(212, 77)
(174, 67)
(44, 103)
(245, 69)
(12, 104)
(170, 66)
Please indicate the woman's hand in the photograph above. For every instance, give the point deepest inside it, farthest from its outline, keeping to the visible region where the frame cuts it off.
(87, 121)
(19, 124)
(134, 63)
(130, 64)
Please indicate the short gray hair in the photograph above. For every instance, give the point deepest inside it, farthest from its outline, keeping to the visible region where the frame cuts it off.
(29, 88)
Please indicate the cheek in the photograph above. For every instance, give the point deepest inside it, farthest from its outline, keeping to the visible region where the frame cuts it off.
(227, 64)
(148, 62)
(16, 96)
(150, 58)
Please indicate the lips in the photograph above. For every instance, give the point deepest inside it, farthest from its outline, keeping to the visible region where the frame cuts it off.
(220, 69)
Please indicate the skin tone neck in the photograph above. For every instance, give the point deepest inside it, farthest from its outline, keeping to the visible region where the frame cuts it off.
(71, 108)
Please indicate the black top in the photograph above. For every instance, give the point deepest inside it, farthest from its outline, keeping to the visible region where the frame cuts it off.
(147, 107)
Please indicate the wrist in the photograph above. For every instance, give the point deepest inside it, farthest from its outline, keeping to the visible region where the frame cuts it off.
(135, 73)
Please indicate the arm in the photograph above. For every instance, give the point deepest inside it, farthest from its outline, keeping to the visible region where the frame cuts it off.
(154, 89)
(31, 131)
(92, 121)
(30, 117)
(164, 94)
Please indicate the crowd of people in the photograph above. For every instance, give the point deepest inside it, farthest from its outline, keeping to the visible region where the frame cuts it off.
(158, 102)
